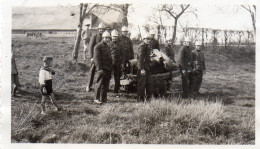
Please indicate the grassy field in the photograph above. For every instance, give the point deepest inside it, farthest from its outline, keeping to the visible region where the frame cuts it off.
(223, 114)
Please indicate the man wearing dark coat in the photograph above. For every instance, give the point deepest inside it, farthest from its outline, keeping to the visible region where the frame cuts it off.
(94, 40)
(103, 63)
(199, 67)
(118, 58)
(144, 81)
(184, 62)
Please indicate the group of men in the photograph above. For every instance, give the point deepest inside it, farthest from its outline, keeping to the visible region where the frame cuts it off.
(192, 66)
(109, 52)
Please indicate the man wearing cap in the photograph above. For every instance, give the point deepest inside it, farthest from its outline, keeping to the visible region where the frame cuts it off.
(93, 41)
(103, 63)
(184, 62)
(168, 49)
(118, 58)
(199, 67)
(154, 44)
(127, 45)
(144, 82)
(85, 35)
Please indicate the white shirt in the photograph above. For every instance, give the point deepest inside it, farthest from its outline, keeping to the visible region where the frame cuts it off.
(44, 75)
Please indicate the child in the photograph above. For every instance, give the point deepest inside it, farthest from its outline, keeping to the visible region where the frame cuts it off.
(14, 77)
(45, 79)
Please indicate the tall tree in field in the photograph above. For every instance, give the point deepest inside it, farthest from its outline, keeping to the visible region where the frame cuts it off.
(175, 12)
(84, 11)
(252, 10)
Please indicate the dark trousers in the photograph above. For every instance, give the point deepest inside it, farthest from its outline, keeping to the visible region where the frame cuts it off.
(199, 76)
(92, 74)
(144, 86)
(187, 84)
(117, 75)
(102, 85)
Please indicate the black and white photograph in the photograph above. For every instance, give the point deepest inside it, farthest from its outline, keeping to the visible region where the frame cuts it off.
(157, 73)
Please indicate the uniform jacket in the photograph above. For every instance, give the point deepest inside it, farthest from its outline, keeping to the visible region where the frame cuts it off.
(117, 52)
(128, 48)
(198, 61)
(169, 52)
(184, 58)
(143, 57)
(154, 44)
(94, 40)
(102, 57)
(13, 63)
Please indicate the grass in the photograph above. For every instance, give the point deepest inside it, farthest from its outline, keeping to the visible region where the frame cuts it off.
(224, 112)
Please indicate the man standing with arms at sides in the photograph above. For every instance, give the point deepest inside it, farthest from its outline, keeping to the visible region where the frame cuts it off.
(199, 67)
(103, 63)
(127, 46)
(94, 40)
(154, 44)
(168, 50)
(184, 62)
(144, 82)
(85, 35)
(118, 58)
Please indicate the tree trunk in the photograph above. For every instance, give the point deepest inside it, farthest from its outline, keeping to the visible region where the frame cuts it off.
(125, 13)
(78, 38)
(174, 31)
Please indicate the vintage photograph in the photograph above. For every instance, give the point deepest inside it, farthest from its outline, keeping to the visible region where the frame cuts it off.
(133, 73)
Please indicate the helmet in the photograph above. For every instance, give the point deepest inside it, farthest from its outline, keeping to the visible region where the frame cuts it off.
(187, 39)
(114, 33)
(124, 29)
(152, 32)
(168, 38)
(101, 26)
(147, 36)
(106, 34)
(198, 43)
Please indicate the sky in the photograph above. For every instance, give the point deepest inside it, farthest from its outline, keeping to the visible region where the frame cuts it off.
(213, 15)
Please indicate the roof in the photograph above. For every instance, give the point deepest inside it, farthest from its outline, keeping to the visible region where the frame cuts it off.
(58, 18)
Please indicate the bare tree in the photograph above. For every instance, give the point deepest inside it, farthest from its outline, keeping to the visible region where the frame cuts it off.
(175, 12)
(84, 11)
(252, 10)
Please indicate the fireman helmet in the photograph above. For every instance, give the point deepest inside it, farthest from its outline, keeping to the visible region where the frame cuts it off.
(114, 33)
(106, 34)
(101, 26)
(124, 29)
(198, 43)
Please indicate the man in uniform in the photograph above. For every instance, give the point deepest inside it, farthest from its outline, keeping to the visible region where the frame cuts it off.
(144, 82)
(154, 44)
(168, 49)
(127, 46)
(199, 67)
(85, 35)
(184, 62)
(118, 58)
(94, 40)
(103, 63)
